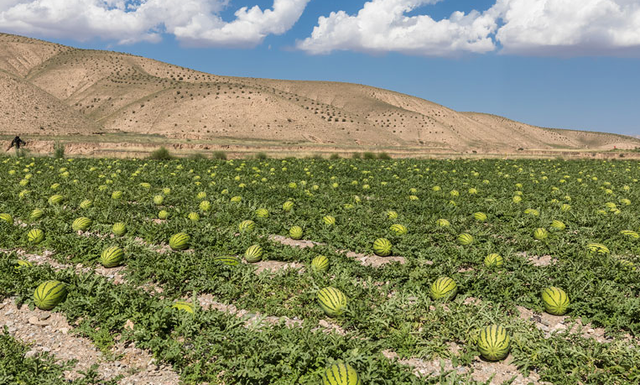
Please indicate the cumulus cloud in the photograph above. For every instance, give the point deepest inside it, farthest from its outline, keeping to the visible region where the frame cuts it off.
(568, 27)
(526, 27)
(195, 22)
(382, 26)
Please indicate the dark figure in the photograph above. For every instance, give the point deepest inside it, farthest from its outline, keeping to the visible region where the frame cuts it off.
(17, 142)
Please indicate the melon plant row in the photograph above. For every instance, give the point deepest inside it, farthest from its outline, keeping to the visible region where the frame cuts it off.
(478, 240)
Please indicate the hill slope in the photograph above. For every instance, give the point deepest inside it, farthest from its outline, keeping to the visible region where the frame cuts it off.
(50, 89)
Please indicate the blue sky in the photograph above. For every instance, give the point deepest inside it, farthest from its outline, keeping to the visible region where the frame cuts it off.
(553, 63)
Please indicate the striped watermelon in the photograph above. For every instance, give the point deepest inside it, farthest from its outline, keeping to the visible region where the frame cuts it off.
(246, 226)
(236, 199)
(145, 185)
(166, 191)
(205, 206)
(158, 199)
(49, 294)
(332, 301)
(193, 216)
(320, 264)
(540, 233)
(398, 229)
(184, 306)
(565, 207)
(35, 236)
(341, 374)
(493, 260)
(86, 204)
(494, 343)
(81, 224)
(227, 260)
(480, 216)
(112, 256)
(7, 218)
(116, 195)
(295, 232)
(532, 212)
(598, 248)
(201, 195)
(516, 199)
(163, 214)
(253, 254)
(22, 263)
(555, 300)
(392, 214)
(262, 213)
(436, 188)
(329, 220)
(630, 234)
(382, 247)
(36, 214)
(558, 225)
(55, 199)
(442, 223)
(119, 229)
(443, 288)
(287, 206)
(179, 241)
(465, 239)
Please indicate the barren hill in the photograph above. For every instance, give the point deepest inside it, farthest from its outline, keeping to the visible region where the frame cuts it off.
(53, 90)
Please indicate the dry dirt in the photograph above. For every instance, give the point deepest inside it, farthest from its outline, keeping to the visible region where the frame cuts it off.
(49, 90)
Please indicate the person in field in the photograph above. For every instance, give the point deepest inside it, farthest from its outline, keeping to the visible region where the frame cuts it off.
(17, 142)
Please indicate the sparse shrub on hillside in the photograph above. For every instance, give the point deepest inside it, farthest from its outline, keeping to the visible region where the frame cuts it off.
(58, 150)
(197, 156)
(384, 156)
(161, 154)
(356, 155)
(369, 155)
(334, 157)
(261, 156)
(219, 155)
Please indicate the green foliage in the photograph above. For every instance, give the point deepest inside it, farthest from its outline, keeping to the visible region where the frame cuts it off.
(219, 155)
(58, 150)
(368, 155)
(384, 156)
(334, 156)
(161, 154)
(261, 156)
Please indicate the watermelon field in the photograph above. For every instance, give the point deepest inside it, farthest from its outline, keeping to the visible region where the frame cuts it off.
(311, 271)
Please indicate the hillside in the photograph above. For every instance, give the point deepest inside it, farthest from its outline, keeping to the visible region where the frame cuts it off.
(54, 91)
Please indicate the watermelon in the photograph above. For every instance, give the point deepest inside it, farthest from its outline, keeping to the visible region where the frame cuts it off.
(236, 199)
(145, 185)
(540, 233)
(35, 236)
(558, 225)
(555, 300)
(320, 264)
(494, 343)
(565, 207)
(81, 224)
(465, 239)
(201, 195)
(253, 254)
(36, 214)
(287, 206)
(443, 288)
(493, 260)
(392, 214)
(49, 294)
(262, 213)
(183, 306)
(532, 212)
(442, 223)
(7, 218)
(382, 247)
(329, 220)
(158, 199)
(295, 232)
(86, 204)
(517, 199)
(480, 216)
(205, 206)
(598, 248)
(341, 374)
(22, 263)
(193, 216)
(116, 195)
(163, 214)
(332, 301)
(246, 226)
(119, 229)
(630, 234)
(227, 260)
(179, 241)
(55, 199)
(398, 229)
(112, 256)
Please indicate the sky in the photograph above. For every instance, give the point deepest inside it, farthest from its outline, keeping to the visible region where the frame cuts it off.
(553, 63)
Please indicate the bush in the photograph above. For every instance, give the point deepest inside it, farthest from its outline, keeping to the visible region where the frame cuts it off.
(197, 156)
(220, 155)
(369, 155)
(334, 157)
(384, 156)
(356, 155)
(261, 156)
(161, 154)
(58, 150)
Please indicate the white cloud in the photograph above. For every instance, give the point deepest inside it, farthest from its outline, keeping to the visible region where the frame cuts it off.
(568, 27)
(195, 22)
(527, 27)
(382, 26)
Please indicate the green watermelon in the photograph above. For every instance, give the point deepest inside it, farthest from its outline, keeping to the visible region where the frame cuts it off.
(382, 247)
(494, 343)
(179, 241)
(112, 256)
(341, 374)
(49, 294)
(443, 288)
(332, 301)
